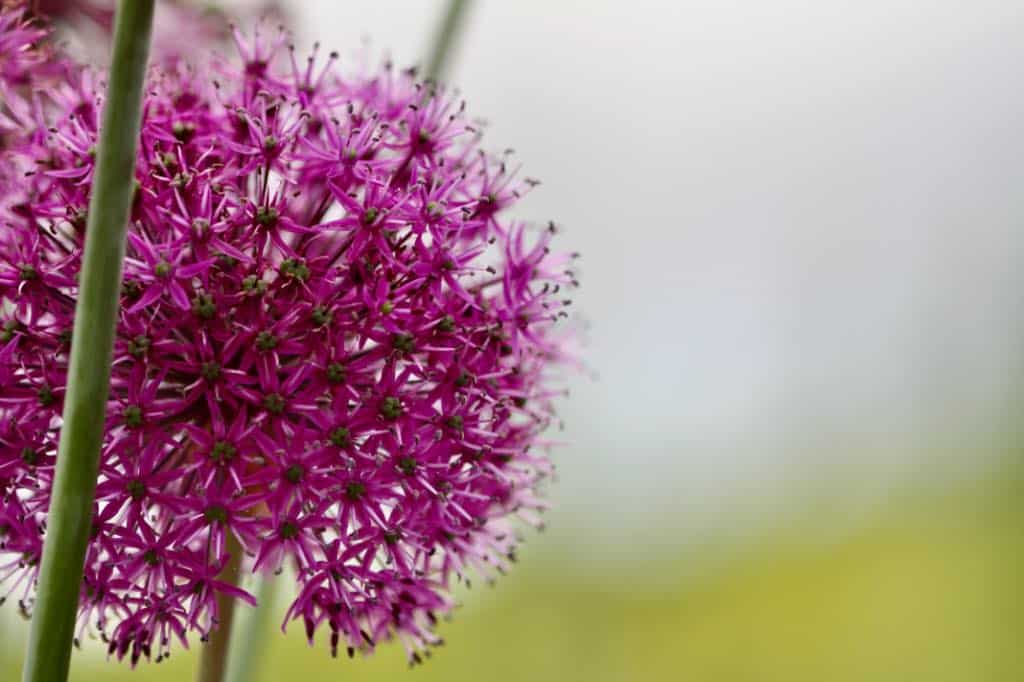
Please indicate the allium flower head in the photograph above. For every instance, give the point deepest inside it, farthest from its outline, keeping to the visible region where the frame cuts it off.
(335, 350)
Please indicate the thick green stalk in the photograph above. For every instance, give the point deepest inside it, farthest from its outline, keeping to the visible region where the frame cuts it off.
(250, 633)
(213, 655)
(445, 37)
(74, 487)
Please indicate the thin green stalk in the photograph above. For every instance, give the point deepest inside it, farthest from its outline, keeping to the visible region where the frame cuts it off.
(250, 635)
(445, 37)
(74, 486)
(213, 655)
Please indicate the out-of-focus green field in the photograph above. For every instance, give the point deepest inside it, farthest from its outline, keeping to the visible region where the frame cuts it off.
(927, 592)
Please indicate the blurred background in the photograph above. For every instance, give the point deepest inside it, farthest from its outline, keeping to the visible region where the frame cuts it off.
(799, 457)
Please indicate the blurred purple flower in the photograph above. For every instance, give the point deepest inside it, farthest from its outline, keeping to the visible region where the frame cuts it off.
(180, 28)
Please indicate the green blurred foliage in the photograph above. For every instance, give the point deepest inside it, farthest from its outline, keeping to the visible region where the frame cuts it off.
(927, 592)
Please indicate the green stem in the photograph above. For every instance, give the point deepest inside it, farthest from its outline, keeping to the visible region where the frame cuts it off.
(74, 487)
(445, 36)
(249, 638)
(213, 656)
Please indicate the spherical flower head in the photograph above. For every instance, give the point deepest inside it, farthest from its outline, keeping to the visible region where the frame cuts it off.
(335, 351)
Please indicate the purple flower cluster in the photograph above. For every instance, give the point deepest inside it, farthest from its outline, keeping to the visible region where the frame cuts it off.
(334, 352)
(90, 23)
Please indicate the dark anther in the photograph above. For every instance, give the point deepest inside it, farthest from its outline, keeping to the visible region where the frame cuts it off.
(292, 267)
(407, 465)
(274, 403)
(183, 130)
(267, 216)
(132, 289)
(136, 490)
(45, 396)
(293, 474)
(341, 437)
(223, 452)
(446, 325)
(391, 408)
(210, 371)
(254, 285)
(266, 341)
(138, 346)
(27, 273)
(132, 416)
(204, 307)
(216, 514)
(29, 456)
(336, 373)
(403, 343)
(355, 490)
(320, 316)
